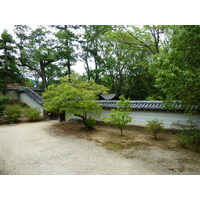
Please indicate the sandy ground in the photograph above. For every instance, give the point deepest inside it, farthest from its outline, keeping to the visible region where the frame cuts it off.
(35, 148)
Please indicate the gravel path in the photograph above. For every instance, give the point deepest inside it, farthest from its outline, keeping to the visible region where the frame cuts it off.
(32, 148)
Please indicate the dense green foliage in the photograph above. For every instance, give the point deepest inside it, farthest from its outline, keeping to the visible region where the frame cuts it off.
(3, 102)
(177, 69)
(9, 72)
(154, 127)
(189, 137)
(13, 113)
(32, 114)
(139, 62)
(120, 116)
(76, 96)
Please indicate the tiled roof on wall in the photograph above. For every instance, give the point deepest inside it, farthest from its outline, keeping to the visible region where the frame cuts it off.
(143, 105)
(34, 95)
(19, 88)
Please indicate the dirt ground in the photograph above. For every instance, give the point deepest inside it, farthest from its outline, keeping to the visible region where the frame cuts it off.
(48, 147)
(163, 154)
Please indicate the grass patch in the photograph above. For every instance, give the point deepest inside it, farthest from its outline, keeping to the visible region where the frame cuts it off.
(117, 146)
(112, 146)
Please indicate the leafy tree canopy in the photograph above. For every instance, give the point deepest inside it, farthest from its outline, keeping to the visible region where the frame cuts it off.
(9, 72)
(177, 69)
(75, 96)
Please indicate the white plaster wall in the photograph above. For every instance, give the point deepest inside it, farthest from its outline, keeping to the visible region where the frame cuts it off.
(170, 119)
(140, 118)
(13, 95)
(30, 102)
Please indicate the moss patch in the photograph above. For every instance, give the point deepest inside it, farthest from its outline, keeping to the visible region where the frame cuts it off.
(117, 146)
(112, 146)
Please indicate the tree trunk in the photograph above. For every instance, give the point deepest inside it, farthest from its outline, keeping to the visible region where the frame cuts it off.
(84, 118)
(43, 75)
(96, 68)
(6, 67)
(87, 68)
(68, 67)
(62, 117)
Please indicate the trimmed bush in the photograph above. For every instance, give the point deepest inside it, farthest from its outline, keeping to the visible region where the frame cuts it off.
(154, 127)
(32, 114)
(13, 113)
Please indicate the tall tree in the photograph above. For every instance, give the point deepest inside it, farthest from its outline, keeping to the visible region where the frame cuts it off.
(91, 44)
(75, 96)
(9, 72)
(177, 69)
(39, 51)
(126, 62)
(146, 38)
(67, 41)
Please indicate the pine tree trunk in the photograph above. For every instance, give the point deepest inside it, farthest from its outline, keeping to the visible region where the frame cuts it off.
(43, 75)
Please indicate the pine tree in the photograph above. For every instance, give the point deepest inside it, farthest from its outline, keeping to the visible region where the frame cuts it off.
(9, 73)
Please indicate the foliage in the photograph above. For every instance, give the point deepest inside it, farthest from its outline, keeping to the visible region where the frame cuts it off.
(124, 61)
(120, 117)
(189, 137)
(32, 114)
(38, 52)
(66, 38)
(9, 72)
(90, 122)
(150, 99)
(154, 127)
(3, 102)
(75, 96)
(92, 46)
(134, 61)
(177, 68)
(13, 113)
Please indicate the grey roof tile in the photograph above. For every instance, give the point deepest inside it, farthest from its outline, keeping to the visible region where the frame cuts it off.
(34, 95)
(141, 105)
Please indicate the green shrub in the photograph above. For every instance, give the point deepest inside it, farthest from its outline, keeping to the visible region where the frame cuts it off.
(150, 99)
(32, 114)
(90, 123)
(13, 113)
(120, 117)
(154, 127)
(3, 102)
(21, 104)
(189, 137)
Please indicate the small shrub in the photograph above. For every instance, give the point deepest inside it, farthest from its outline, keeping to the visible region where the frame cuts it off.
(21, 104)
(32, 114)
(3, 102)
(90, 123)
(13, 113)
(120, 117)
(154, 127)
(189, 137)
